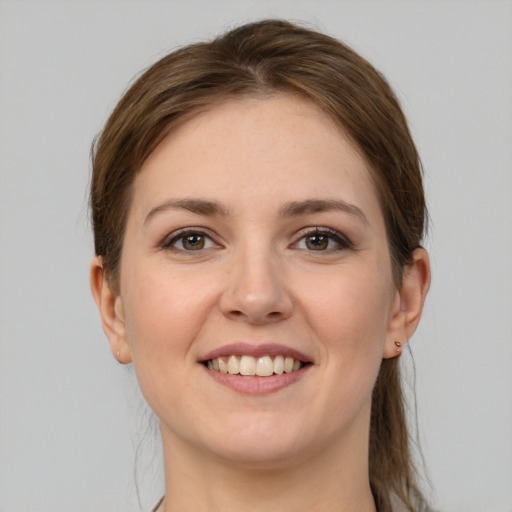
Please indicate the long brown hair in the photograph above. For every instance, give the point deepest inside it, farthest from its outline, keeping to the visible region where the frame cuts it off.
(260, 59)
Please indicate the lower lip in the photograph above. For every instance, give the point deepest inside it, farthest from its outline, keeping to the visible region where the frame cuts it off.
(253, 385)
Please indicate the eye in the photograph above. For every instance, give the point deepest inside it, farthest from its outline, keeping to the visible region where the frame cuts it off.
(323, 239)
(189, 240)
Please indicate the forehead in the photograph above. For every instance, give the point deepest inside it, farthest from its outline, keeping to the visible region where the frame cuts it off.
(281, 147)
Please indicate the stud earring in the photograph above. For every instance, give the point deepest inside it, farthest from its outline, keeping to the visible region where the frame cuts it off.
(118, 354)
(398, 346)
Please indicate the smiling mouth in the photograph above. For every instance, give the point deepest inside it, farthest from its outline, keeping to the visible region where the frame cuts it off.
(264, 366)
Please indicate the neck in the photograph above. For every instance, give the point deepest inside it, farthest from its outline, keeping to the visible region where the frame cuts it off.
(333, 479)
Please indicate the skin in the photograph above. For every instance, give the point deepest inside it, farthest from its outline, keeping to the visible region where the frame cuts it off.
(259, 279)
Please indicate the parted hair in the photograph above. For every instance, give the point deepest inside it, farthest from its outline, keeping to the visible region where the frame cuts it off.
(260, 59)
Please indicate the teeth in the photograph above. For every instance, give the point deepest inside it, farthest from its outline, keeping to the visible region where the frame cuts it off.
(247, 365)
(264, 366)
(223, 366)
(233, 365)
(279, 365)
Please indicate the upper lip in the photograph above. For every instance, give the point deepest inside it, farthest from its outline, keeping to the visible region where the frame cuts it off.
(260, 350)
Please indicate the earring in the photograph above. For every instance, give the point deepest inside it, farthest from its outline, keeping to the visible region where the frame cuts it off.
(398, 346)
(118, 354)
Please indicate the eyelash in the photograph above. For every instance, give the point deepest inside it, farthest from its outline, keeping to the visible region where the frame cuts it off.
(168, 242)
(342, 241)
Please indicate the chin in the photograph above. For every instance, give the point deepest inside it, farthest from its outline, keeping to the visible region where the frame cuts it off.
(262, 443)
(262, 458)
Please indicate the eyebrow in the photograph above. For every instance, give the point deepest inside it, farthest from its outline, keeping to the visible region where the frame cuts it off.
(198, 206)
(297, 208)
(292, 209)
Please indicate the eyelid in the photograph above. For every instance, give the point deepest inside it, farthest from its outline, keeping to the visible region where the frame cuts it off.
(342, 240)
(172, 238)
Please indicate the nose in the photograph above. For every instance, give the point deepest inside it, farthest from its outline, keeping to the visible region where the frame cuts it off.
(255, 291)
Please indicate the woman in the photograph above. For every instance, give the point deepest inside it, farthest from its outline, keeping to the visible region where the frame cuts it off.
(258, 211)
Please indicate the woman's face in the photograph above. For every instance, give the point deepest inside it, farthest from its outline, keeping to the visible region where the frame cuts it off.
(255, 235)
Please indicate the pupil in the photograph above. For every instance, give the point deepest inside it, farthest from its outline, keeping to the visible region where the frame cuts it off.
(316, 242)
(193, 242)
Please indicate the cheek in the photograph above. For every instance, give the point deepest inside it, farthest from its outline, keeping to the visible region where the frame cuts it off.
(351, 310)
(347, 318)
(161, 314)
(162, 319)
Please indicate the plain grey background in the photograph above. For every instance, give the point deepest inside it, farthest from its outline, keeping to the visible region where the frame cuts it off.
(70, 417)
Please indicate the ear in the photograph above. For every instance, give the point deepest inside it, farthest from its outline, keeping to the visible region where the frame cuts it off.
(408, 305)
(110, 307)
